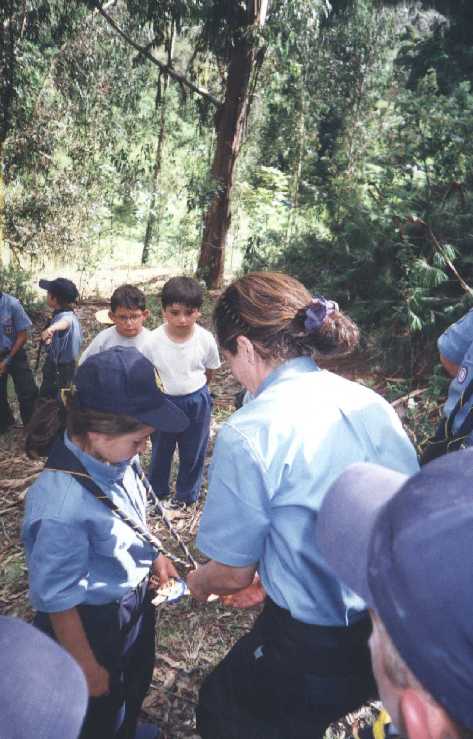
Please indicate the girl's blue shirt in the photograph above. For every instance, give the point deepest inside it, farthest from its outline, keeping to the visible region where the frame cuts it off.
(78, 551)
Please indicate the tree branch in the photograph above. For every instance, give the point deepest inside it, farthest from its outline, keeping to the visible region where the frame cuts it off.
(143, 51)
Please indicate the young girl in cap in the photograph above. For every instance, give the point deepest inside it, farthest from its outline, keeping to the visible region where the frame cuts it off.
(85, 533)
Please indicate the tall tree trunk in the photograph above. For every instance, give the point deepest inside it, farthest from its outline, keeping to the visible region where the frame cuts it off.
(230, 122)
(150, 226)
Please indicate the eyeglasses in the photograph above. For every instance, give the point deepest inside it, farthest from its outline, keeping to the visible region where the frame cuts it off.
(133, 318)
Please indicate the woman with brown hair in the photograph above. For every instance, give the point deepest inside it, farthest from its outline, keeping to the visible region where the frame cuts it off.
(305, 662)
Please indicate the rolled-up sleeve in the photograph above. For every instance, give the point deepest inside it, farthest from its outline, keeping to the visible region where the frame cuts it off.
(58, 556)
(236, 518)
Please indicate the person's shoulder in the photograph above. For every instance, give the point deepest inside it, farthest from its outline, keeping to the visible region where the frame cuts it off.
(156, 333)
(12, 301)
(54, 494)
(204, 335)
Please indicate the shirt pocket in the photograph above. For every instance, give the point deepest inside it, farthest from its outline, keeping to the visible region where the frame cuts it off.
(8, 329)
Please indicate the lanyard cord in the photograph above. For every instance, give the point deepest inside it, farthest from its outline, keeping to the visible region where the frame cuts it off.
(147, 536)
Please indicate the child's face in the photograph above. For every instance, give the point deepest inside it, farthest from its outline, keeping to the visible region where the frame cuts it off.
(129, 321)
(52, 301)
(115, 449)
(180, 319)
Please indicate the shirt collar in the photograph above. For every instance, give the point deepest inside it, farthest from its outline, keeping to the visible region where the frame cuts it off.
(102, 472)
(291, 368)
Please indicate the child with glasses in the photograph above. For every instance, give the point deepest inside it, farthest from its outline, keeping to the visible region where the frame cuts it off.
(128, 314)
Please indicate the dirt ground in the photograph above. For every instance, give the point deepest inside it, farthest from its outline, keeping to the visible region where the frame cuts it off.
(191, 637)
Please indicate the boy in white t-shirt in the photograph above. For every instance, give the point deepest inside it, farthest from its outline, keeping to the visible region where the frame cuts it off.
(128, 314)
(185, 355)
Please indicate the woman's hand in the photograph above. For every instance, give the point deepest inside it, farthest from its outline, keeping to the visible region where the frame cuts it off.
(98, 679)
(162, 568)
(248, 597)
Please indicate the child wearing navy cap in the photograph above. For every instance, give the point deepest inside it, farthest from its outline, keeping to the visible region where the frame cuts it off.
(88, 548)
(62, 336)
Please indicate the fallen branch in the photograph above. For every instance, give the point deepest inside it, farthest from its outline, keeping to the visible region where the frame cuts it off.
(412, 394)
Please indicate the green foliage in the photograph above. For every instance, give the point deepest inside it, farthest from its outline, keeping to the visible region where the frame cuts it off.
(17, 282)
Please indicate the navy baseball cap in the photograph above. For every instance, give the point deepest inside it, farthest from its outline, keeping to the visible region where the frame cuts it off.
(62, 288)
(405, 545)
(43, 692)
(121, 380)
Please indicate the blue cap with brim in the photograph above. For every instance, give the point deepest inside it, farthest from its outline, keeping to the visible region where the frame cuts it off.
(62, 288)
(122, 381)
(405, 546)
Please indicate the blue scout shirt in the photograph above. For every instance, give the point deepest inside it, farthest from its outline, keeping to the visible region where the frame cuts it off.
(65, 345)
(77, 550)
(273, 462)
(456, 344)
(12, 320)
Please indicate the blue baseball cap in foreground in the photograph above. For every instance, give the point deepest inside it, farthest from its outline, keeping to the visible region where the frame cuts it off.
(43, 692)
(405, 545)
(122, 381)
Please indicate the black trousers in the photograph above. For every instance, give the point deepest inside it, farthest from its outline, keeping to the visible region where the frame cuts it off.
(25, 388)
(55, 377)
(121, 636)
(286, 680)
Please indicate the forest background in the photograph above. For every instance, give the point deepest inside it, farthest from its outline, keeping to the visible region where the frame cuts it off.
(328, 140)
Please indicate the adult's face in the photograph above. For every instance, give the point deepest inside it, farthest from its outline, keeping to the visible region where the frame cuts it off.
(246, 365)
(389, 693)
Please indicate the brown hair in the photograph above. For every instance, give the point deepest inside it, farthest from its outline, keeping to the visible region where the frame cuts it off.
(269, 308)
(53, 417)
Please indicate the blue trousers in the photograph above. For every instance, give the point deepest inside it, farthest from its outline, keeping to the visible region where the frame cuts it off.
(191, 444)
(25, 388)
(121, 636)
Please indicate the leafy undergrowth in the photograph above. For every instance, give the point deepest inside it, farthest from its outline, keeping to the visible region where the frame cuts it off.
(191, 637)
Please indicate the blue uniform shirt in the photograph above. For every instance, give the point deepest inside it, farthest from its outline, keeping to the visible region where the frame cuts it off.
(273, 462)
(12, 320)
(65, 345)
(456, 344)
(78, 551)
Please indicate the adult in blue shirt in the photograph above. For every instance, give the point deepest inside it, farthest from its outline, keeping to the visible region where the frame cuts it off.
(305, 662)
(455, 429)
(14, 325)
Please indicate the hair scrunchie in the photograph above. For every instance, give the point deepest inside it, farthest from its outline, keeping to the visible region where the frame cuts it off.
(317, 312)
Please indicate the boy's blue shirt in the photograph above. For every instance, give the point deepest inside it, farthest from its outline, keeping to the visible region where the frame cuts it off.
(13, 319)
(77, 550)
(65, 345)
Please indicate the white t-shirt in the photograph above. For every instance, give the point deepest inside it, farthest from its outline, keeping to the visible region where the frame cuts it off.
(110, 337)
(181, 365)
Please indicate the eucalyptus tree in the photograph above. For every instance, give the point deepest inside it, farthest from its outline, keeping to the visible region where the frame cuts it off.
(236, 35)
(31, 35)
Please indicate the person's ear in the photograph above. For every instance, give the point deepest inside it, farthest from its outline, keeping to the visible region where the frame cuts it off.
(246, 349)
(111, 316)
(145, 314)
(423, 718)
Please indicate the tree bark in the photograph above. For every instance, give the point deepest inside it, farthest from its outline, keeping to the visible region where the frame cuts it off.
(150, 226)
(230, 121)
